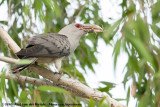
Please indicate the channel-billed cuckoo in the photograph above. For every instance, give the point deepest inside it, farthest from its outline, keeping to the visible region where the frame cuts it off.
(52, 47)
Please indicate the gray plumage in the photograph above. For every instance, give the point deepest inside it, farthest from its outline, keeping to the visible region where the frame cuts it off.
(48, 45)
(53, 47)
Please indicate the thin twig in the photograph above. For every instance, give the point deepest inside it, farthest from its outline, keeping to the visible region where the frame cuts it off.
(17, 4)
(80, 11)
(9, 9)
(8, 60)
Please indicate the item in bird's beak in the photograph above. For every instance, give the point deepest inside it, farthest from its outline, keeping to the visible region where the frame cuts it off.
(90, 28)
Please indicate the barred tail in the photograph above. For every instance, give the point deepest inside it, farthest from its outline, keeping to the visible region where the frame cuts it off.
(19, 68)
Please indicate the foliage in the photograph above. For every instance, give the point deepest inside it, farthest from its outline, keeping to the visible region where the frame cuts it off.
(140, 40)
(138, 33)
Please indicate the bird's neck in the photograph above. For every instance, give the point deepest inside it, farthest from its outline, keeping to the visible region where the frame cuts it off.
(73, 39)
(73, 35)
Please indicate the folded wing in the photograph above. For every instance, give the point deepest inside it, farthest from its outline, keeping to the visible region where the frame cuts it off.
(50, 45)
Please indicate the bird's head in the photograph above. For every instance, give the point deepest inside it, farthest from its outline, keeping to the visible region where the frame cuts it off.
(77, 29)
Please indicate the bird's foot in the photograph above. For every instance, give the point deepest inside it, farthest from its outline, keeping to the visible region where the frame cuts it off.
(36, 63)
(60, 74)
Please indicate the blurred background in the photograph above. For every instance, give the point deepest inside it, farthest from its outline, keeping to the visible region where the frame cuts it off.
(123, 61)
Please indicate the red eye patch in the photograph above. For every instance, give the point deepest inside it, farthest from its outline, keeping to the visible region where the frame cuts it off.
(78, 25)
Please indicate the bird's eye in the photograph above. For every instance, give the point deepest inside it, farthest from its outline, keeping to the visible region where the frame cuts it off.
(78, 25)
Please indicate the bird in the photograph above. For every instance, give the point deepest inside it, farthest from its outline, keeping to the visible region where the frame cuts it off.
(54, 47)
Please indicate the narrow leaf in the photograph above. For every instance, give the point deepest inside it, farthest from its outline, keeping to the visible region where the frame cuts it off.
(52, 89)
(24, 61)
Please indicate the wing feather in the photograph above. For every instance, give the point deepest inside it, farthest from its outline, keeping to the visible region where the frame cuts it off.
(50, 46)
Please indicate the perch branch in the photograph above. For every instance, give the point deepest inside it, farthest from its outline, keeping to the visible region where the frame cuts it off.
(36, 81)
(73, 84)
(39, 82)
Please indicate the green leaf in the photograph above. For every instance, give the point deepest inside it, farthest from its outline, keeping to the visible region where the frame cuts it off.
(52, 89)
(157, 75)
(107, 88)
(4, 48)
(146, 98)
(56, 9)
(38, 4)
(26, 10)
(49, 4)
(4, 22)
(102, 104)
(38, 97)
(12, 92)
(2, 96)
(23, 97)
(155, 12)
(24, 61)
(15, 90)
(109, 84)
(116, 52)
(3, 85)
(1, 2)
(91, 103)
(128, 95)
(112, 30)
(156, 29)
(131, 9)
(138, 44)
(127, 76)
(141, 30)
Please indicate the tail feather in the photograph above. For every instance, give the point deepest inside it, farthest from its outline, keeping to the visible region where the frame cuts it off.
(19, 68)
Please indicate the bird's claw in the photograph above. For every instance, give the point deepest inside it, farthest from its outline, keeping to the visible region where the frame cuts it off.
(36, 63)
(60, 74)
